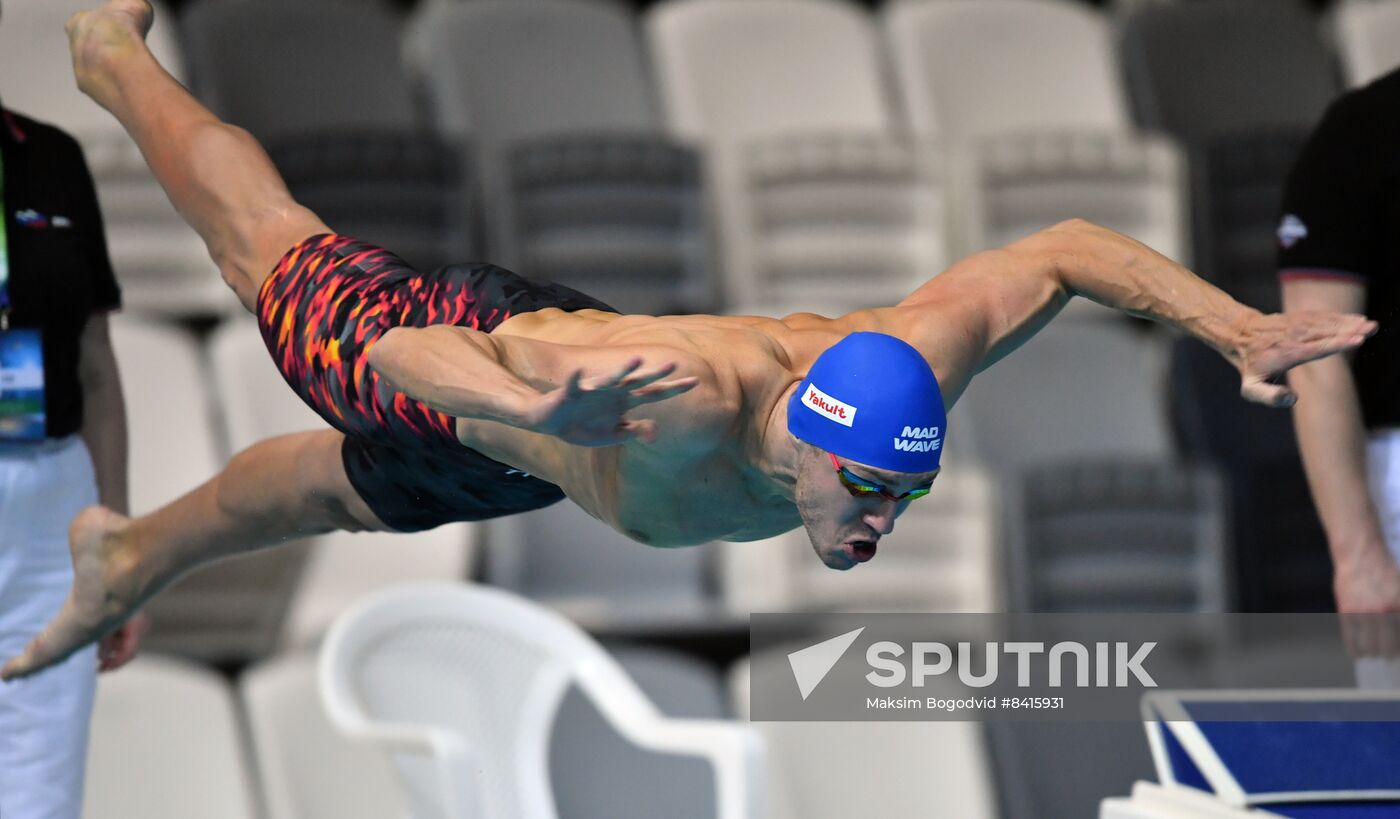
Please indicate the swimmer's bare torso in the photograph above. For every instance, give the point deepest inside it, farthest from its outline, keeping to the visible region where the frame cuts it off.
(707, 474)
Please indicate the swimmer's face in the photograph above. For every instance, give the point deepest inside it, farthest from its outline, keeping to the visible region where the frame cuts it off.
(844, 528)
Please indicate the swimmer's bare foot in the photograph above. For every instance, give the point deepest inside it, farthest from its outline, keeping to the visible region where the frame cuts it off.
(99, 37)
(105, 592)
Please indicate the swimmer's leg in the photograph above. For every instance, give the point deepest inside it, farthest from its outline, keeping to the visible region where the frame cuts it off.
(218, 177)
(277, 490)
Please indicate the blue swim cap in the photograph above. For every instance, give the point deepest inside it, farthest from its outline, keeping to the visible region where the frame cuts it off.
(873, 399)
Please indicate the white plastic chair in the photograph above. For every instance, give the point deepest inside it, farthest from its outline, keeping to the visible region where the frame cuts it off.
(1367, 34)
(166, 743)
(901, 770)
(173, 443)
(461, 684)
(816, 193)
(307, 768)
(1029, 93)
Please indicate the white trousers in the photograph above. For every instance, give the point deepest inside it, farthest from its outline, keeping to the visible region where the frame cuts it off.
(1383, 476)
(44, 718)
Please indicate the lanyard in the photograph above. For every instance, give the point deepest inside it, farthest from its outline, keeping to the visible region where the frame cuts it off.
(4, 254)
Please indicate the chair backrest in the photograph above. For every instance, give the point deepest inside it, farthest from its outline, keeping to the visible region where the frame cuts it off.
(1130, 536)
(487, 669)
(502, 69)
(1236, 200)
(1279, 549)
(907, 769)
(256, 401)
(731, 69)
(230, 610)
(1080, 390)
(563, 556)
(596, 772)
(165, 743)
(1368, 38)
(174, 446)
(410, 191)
(1197, 70)
(34, 58)
(308, 770)
(982, 67)
(289, 69)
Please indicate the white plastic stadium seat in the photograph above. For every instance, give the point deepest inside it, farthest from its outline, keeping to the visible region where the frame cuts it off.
(228, 610)
(583, 568)
(1368, 38)
(893, 770)
(161, 263)
(1076, 391)
(255, 399)
(585, 187)
(1030, 93)
(462, 685)
(172, 440)
(817, 197)
(166, 744)
(307, 768)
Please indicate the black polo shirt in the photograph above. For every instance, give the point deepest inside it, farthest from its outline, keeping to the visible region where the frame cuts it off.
(59, 270)
(1341, 220)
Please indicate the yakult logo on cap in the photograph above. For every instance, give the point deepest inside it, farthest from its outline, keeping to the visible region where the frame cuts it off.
(826, 405)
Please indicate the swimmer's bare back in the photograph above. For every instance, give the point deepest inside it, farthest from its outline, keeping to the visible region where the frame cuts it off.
(704, 475)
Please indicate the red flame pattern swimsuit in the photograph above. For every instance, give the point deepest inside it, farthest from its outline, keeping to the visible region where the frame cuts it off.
(327, 302)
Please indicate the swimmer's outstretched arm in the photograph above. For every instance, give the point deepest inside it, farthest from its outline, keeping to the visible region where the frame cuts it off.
(525, 383)
(998, 299)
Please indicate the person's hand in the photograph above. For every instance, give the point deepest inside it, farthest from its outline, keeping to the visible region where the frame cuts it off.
(1269, 345)
(589, 411)
(116, 649)
(1368, 599)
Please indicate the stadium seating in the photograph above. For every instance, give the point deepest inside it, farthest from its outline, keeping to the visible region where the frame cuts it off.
(580, 184)
(1367, 37)
(166, 743)
(307, 769)
(228, 610)
(584, 568)
(894, 770)
(1028, 96)
(818, 198)
(337, 114)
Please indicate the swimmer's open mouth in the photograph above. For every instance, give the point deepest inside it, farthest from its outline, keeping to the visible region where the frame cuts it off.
(860, 550)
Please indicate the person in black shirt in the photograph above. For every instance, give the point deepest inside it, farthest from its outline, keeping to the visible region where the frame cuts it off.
(62, 447)
(1338, 251)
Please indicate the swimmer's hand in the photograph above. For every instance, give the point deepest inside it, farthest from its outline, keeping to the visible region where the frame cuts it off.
(1268, 345)
(589, 411)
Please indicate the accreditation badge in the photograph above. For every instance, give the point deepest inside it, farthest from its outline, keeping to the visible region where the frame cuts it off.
(21, 386)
